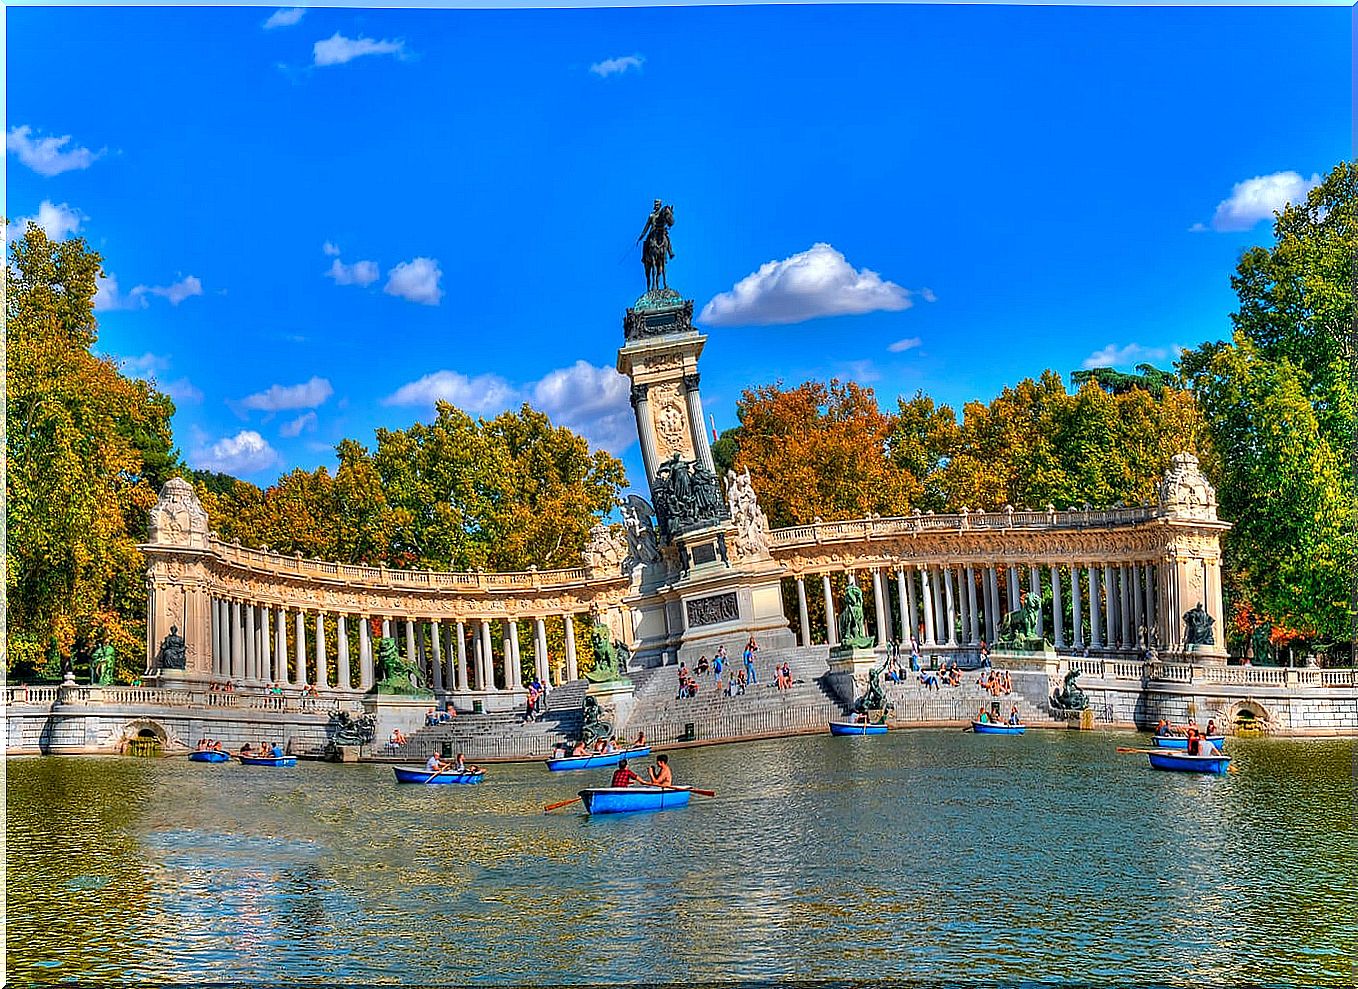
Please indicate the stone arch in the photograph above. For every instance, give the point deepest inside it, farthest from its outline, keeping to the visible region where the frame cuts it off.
(1249, 715)
(143, 734)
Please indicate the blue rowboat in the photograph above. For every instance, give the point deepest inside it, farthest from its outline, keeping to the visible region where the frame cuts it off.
(276, 761)
(855, 728)
(418, 774)
(596, 759)
(995, 728)
(1181, 741)
(1185, 763)
(209, 755)
(628, 799)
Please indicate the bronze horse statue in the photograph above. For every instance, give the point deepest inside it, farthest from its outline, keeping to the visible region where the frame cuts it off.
(656, 249)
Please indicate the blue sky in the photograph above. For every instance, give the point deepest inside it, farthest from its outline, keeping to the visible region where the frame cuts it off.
(313, 223)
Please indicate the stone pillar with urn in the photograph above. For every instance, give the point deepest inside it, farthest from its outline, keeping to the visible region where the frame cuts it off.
(179, 585)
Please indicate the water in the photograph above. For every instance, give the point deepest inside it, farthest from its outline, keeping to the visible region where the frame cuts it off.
(931, 855)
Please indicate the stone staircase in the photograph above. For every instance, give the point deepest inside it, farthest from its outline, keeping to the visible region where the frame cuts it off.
(917, 704)
(504, 735)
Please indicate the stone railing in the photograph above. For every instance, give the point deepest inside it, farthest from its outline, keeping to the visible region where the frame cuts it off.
(119, 696)
(278, 564)
(868, 528)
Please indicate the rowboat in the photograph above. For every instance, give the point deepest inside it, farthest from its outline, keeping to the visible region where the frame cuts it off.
(627, 799)
(995, 728)
(418, 774)
(1181, 741)
(596, 759)
(1185, 763)
(208, 755)
(856, 728)
(281, 761)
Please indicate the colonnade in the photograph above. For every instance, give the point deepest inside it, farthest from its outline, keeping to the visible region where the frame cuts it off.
(259, 644)
(959, 604)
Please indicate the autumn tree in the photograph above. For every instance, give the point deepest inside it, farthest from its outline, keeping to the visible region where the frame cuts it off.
(86, 448)
(1279, 400)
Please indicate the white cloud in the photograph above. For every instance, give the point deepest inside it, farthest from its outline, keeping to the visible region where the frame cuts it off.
(278, 398)
(143, 365)
(416, 280)
(1128, 355)
(359, 273)
(482, 394)
(183, 392)
(178, 291)
(305, 421)
(1258, 199)
(591, 400)
(284, 17)
(617, 66)
(337, 49)
(59, 221)
(862, 371)
(900, 346)
(330, 249)
(816, 282)
(244, 453)
(47, 155)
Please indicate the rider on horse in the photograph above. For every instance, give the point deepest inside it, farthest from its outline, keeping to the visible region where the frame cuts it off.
(656, 249)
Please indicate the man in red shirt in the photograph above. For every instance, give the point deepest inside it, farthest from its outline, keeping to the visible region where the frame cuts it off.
(624, 776)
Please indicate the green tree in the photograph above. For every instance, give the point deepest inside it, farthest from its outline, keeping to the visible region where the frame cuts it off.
(85, 446)
(1279, 402)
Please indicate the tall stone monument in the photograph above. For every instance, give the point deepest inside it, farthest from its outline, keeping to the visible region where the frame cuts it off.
(178, 589)
(711, 580)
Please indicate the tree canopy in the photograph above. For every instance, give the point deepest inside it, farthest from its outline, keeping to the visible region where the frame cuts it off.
(1279, 403)
(86, 450)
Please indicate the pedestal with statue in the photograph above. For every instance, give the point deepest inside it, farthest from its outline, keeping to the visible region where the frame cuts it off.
(702, 574)
(854, 659)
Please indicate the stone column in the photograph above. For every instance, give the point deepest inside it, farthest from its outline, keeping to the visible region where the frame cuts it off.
(1077, 617)
(927, 599)
(1035, 589)
(991, 592)
(1125, 605)
(366, 673)
(487, 657)
(265, 645)
(460, 645)
(883, 619)
(801, 611)
(386, 628)
(973, 619)
(903, 612)
(1110, 606)
(957, 575)
(540, 651)
(831, 630)
(949, 607)
(1013, 588)
(572, 663)
(697, 428)
(912, 604)
(322, 661)
(1152, 619)
(641, 405)
(514, 662)
(237, 671)
(1058, 610)
(251, 643)
(411, 656)
(299, 647)
(342, 653)
(216, 635)
(280, 645)
(1095, 633)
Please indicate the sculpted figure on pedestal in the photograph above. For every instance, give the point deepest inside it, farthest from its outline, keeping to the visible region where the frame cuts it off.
(394, 674)
(172, 654)
(642, 545)
(1070, 697)
(656, 250)
(101, 664)
(752, 526)
(853, 630)
(1198, 627)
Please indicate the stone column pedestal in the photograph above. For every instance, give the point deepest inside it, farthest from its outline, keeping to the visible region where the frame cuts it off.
(849, 668)
(615, 697)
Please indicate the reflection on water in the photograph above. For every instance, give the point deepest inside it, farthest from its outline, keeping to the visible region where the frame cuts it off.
(921, 855)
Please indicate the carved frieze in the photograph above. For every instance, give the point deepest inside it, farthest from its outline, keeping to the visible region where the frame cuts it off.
(713, 609)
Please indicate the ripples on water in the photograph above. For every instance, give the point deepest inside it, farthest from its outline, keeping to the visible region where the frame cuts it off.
(922, 855)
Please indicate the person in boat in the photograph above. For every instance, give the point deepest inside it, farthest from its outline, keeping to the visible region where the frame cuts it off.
(1211, 726)
(1014, 715)
(1194, 742)
(660, 773)
(612, 745)
(981, 715)
(202, 745)
(246, 751)
(578, 749)
(434, 763)
(623, 776)
(276, 751)
(1162, 729)
(559, 750)
(640, 741)
(217, 745)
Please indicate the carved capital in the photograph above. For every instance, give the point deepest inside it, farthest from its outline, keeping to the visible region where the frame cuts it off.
(639, 393)
(691, 381)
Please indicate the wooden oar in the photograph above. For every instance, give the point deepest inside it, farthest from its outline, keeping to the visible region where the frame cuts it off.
(559, 803)
(690, 789)
(1127, 750)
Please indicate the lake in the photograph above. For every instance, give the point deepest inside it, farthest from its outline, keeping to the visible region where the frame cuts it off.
(928, 855)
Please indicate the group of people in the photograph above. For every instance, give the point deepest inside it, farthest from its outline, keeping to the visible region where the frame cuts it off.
(536, 704)
(782, 676)
(948, 675)
(271, 750)
(984, 717)
(1199, 742)
(997, 683)
(436, 717)
(657, 775)
(458, 765)
(731, 682)
(601, 746)
(210, 745)
(224, 686)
